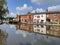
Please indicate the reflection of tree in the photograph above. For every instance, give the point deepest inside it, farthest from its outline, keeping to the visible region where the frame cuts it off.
(3, 36)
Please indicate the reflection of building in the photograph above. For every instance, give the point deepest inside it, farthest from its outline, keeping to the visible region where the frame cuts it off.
(25, 27)
(40, 29)
(54, 30)
(49, 30)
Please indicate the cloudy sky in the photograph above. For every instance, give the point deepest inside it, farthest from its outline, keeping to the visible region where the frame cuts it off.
(25, 6)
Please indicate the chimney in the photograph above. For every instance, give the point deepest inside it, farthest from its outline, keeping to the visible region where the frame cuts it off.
(17, 15)
(35, 11)
(46, 10)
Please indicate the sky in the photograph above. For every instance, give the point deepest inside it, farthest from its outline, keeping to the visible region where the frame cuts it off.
(21, 7)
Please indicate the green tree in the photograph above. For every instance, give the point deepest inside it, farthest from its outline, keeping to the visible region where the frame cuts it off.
(3, 8)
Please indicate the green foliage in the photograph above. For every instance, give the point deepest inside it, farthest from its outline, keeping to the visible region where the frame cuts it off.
(3, 10)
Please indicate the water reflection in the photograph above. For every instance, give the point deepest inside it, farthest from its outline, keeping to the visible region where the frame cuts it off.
(25, 27)
(42, 29)
(3, 37)
(29, 34)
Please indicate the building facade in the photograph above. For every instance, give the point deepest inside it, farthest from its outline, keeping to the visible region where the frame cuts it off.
(29, 18)
(53, 17)
(37, 18)
(23, 18)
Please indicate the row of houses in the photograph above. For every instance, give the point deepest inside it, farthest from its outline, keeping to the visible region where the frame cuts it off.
(49, 30)
(51, 17)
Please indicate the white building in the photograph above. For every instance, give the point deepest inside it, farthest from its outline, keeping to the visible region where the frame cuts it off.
(37, 18)
(39, 29)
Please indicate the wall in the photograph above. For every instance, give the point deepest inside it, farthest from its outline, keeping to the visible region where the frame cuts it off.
(36, 18)
(39, 17)
(39, 29)
(54, 17)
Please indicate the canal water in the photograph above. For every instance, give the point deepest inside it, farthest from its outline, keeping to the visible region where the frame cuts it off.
(23, 34)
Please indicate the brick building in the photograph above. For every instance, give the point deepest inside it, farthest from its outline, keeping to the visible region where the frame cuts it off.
(24, 18)
(53, 17)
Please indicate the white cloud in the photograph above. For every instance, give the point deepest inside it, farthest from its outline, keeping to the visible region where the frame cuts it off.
(24, 9)
(38, 10)
(54, 8)
(11, 14)
(24, 33)
(12, 26)
(44, 1)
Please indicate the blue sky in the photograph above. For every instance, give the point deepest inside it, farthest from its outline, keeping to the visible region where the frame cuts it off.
(24, 6)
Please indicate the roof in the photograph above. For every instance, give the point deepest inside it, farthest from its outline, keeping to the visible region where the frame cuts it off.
(46, 13)
(42, 13)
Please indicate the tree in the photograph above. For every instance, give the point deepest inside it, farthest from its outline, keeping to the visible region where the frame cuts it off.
(3, 8)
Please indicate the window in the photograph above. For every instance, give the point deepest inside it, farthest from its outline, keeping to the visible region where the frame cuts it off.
(38, 30)
(34, 20)
(56, 28)
(37, 25)
(38, 16)
(55, 15)
(55, 33)
(22, 19)
(42, 20)
(30, 16)
(56, 21)
(41, 31)
(41, 15)
(38, 21)
(25, 20)
(42, 26)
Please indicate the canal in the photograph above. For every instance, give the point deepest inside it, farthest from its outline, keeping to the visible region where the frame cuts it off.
(23, 34)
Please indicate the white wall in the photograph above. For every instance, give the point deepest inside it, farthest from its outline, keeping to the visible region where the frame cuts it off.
(35, 17)
(42, 29)
(35, 28)
(41, 18)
